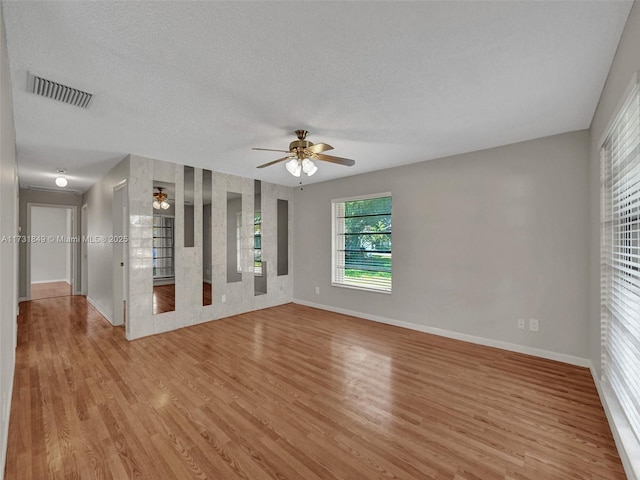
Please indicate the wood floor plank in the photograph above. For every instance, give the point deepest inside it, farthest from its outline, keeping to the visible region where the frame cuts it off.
(292, 392)
(50, 290)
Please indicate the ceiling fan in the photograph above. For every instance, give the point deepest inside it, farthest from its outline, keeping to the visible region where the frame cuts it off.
(160, 199)
(301, 154)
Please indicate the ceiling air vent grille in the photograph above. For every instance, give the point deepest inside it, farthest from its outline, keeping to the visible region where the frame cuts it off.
(57, 91)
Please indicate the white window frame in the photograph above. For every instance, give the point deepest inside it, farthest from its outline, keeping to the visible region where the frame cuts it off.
(257, 271)
(619, 290)
(337, 244)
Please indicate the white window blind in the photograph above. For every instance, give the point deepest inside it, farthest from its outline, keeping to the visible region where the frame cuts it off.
(620, 258)
(361, 255)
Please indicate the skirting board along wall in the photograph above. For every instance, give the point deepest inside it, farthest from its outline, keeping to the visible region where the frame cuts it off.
(55, 280)
(488, 342)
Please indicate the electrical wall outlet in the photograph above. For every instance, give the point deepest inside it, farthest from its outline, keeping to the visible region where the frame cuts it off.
(534, 326)
(224, 298)
(317, 290)
(521, 323)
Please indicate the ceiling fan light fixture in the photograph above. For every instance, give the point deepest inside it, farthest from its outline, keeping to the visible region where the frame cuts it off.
(302, 154)
(294, 167)
(160, 200)
(309, 167)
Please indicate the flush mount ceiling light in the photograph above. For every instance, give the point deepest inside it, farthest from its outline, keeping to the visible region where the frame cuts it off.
(302, 153)
(61, 180)
(160, 199)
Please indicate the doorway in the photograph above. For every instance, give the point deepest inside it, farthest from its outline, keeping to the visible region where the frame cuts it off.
(51, 251)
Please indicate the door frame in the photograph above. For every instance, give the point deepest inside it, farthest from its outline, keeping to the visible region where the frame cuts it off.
(74, 251)
(84, 264)
(120, 213)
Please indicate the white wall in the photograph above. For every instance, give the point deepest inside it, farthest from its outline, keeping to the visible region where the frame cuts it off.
(99, 201)
(50, 260)
(8, 251)
(479, 240)
(625, 64)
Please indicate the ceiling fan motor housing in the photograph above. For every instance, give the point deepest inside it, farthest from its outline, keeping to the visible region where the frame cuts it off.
(299, 144)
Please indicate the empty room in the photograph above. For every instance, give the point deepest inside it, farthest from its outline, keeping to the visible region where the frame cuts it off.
(320, 240)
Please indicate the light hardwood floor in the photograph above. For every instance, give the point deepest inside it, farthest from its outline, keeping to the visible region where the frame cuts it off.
(49, 290)
(292, 392)
(164, 298)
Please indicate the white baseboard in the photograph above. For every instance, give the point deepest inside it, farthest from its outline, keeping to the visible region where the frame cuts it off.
(100, 309)
(626, 442)
(51, 281)
(488, 342)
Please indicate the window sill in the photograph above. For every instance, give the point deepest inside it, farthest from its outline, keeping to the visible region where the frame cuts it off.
(364, 289)
(626, 441)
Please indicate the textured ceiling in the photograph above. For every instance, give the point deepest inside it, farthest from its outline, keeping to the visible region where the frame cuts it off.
(385, 83)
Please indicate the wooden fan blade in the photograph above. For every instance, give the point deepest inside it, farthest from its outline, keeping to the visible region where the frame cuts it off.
(271, 150)
(274, 162)
(319, 147)
(339, 160)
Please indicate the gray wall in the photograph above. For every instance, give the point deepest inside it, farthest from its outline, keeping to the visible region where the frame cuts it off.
(283, 237)
(189, 225)
(100, 258)
(8, 250)
(47, 198)
(479, 240)
(50, 260)
(206, 242)
(233, 208)
(625, 64)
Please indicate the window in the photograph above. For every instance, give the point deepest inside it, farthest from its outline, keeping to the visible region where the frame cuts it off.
(257, 243)
(620, 258)
(163, 247)
(362, 242)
